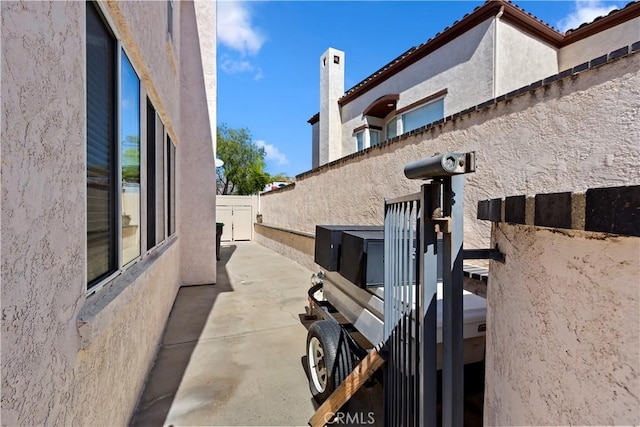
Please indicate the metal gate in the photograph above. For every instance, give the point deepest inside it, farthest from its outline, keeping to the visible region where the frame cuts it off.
(412, 224)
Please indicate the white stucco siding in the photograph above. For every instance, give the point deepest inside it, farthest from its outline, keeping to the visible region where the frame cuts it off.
(521, 59)
(43, 207)
(69, 359)
(205, 12)
(196, 157)
(599, 44)
(563, 329)
(154, 55)
(575, 134)
(463, 66)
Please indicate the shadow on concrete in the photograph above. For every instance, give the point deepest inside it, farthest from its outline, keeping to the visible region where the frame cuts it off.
(185, 324)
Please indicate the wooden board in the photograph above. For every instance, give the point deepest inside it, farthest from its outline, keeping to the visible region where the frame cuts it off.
(347, 389)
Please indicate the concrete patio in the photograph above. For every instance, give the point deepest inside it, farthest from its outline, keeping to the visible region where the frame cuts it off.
(232, 352)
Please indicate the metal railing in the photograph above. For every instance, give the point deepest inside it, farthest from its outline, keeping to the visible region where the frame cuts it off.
(402, 225)
(412, 224)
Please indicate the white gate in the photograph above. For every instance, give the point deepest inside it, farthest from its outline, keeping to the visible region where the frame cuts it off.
(237, 213)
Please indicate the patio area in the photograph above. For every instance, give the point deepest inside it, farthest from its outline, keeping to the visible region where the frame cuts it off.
(232, 352)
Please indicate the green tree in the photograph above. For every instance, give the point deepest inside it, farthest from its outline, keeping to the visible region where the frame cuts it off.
(243, 171)
(131, 159)
(281, 177)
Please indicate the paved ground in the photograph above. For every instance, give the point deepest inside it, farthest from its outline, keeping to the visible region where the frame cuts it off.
(232, 352)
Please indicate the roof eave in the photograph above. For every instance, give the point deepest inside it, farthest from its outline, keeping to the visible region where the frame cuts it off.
(511, 14)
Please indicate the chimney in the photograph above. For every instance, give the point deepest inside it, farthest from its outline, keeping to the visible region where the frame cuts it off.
(331, 89)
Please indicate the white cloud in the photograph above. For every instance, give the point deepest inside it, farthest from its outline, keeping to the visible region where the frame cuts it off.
(235, 29)
(232, 66)
(585, 11)
(272, 152)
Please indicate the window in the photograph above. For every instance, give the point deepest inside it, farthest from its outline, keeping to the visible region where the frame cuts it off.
(171, 186)
(155, 178)
(392, 128)
(115, 187)
(151, 175)
(130, 158)
(423, 115)
(374, 138)
(360, 141)
(170, 18)
(160, 209)
(102, 255)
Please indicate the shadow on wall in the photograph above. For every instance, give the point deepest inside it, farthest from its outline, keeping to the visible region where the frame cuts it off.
(186, 322)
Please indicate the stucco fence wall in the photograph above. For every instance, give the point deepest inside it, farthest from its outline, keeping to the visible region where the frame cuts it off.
(563, 328)
(578, 132)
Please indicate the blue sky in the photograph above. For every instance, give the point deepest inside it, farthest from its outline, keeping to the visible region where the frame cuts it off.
(269, 53)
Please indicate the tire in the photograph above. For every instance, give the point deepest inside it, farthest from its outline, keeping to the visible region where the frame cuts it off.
(329, 359)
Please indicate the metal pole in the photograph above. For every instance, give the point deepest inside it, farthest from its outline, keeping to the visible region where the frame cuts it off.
(452, 317)
(428, 276)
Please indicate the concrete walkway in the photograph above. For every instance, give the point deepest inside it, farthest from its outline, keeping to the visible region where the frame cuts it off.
(232, 352)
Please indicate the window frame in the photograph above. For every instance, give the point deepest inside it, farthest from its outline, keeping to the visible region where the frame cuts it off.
(360, 132)
(120, 181)
(427, 103)
(160, 143)
(170, 18)
(376, 131)
(96, 285)
(171, 186)
(386, 127)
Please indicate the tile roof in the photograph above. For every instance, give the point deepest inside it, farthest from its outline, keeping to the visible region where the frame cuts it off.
(613, 12)
(511, 13)
(622, 52)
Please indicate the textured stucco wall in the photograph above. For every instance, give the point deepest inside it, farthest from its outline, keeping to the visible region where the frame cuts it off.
(563, 329)
(43, 182)
(119, 332)
(599, 44)
(464, 66)
(154, 55)
(67, 358)
(295, 246)
(578, 133)
(196, 157)
(521, 59)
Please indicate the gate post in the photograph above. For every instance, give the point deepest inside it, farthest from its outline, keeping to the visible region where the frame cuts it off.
(452, 316)
(426, 250)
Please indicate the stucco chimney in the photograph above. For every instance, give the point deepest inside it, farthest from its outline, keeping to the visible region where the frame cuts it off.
(331, 89)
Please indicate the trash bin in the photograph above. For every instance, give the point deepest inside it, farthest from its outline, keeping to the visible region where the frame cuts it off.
(219, 226)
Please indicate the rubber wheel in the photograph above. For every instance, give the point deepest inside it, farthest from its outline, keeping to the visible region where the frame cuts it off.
(329, 358)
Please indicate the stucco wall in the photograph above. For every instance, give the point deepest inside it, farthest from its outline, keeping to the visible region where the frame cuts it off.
(464, 66)
(563, 329)
(43, 181)
(153, 54)
(577, 133)
(298, 247)
(68, 358)
(599, 44)
(196, 157)
(521, 59)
